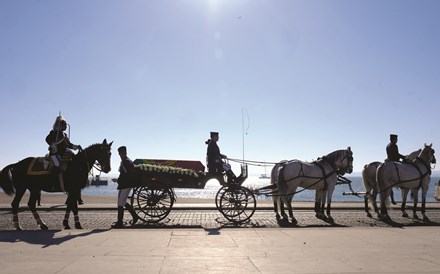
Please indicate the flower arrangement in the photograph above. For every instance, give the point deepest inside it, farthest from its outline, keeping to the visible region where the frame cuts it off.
(162, 169)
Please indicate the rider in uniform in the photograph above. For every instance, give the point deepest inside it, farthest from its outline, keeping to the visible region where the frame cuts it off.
(393, 155)
(393, 151)
(59, 147)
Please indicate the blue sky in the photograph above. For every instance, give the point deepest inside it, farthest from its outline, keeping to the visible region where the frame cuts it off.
(158, 76)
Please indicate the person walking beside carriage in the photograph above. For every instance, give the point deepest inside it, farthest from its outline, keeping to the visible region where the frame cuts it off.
(59, 147)
(125, 185)
(393, 150)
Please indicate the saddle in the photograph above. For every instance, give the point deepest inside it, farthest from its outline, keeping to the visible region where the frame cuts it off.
(45, 165)
(40, 166)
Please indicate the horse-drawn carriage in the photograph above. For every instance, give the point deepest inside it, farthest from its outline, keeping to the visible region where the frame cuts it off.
(155, 180)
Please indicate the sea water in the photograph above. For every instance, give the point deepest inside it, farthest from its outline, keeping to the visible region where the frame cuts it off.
(254, 182)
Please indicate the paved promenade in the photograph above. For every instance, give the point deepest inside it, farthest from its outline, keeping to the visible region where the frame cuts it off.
(235, 250)
(196, 239)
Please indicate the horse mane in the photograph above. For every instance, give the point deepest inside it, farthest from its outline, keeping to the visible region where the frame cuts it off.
(336, 154)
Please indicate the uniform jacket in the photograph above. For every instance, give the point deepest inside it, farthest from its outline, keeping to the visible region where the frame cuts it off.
(393, 153)
(126, 174)
(214, 157)
(61, 141)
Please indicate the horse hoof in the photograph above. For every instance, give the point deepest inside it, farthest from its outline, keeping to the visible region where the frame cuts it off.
(44, 227)
(369, 215)
(66, 224)
(294, 221)
(416, 217)
(18, 228)
(426, 219)
(330, 220)
(385, 218)
(78, 225)
(405, 215)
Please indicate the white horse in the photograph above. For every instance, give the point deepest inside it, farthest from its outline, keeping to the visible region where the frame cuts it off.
(370, 183)
(414, 175)
(320, 175)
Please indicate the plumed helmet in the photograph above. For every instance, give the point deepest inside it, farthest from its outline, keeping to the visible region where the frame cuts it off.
(58, 122)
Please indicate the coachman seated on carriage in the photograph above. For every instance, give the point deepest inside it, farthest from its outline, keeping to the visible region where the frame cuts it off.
(216, 166)
(59, 148)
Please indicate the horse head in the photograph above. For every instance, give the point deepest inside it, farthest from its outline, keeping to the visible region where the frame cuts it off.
(343, 160)
(100, 153)
(349, 160)
(427, 155)
(104, 156)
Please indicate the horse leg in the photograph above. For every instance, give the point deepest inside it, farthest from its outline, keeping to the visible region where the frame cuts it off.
(319, 206)
(374, 203)
(366, 198)
(383, 206)
(283, 212)
(392, 197)
(275, 207)
(15, 206)
(76, 218)
(32, 206)
(415, 195)
(288, 202)
(290, 208)
(66, 218)
(72, 205)
(329, 205)
(424, 192)
(403, 206)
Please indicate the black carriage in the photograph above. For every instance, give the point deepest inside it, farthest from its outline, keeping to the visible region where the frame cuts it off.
(153, 197)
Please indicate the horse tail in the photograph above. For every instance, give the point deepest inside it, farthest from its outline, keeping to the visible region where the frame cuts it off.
(367, 183)
(6, 180)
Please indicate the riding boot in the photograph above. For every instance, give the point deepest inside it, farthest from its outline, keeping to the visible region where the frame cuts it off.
(119, 223)
(132, 212)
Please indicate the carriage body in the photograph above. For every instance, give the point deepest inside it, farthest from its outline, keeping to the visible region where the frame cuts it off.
(154, 181)
(170, 173)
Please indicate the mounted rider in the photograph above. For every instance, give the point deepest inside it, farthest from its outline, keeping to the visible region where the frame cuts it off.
(393, 151)
(59, 146)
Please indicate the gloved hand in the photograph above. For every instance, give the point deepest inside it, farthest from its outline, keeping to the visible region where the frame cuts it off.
(53, 149)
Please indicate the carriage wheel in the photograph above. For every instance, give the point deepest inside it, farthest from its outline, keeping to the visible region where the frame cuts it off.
(152, 204)
(237, 203)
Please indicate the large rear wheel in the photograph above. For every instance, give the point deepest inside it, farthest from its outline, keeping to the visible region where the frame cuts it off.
(152, 204)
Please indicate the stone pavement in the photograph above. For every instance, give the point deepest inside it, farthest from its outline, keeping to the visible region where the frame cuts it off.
(196, 239)
(235, 250)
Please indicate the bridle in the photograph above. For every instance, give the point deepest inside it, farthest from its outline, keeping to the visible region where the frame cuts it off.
(96, 164)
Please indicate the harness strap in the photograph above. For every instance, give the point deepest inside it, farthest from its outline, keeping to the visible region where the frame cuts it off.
(421, 175)
(323, 173)
(418, 169)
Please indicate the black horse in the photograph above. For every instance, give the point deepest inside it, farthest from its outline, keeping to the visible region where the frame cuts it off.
(14, 178)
